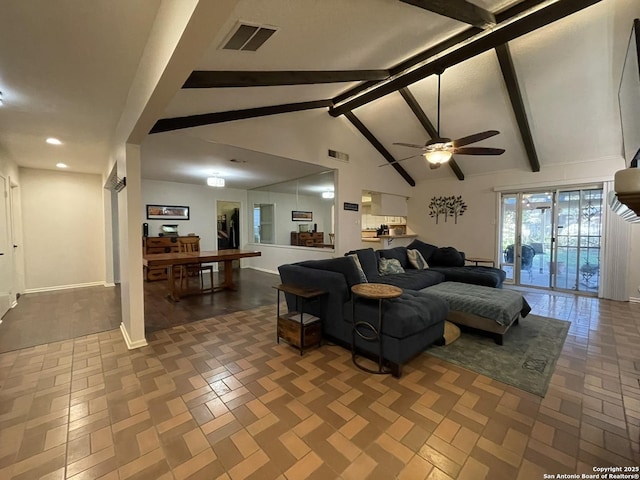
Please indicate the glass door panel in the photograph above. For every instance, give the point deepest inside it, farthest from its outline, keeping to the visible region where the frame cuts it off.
(579, 231)
(536, 237)
(508, 234)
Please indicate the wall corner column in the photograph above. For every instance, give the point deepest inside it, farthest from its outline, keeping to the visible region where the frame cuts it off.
(129, 208)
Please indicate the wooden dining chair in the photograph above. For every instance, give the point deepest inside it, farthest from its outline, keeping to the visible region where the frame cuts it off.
(194, 270)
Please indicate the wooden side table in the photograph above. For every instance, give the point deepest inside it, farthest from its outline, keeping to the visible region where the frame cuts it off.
(296, 327)
(478, 260)
(365, 329)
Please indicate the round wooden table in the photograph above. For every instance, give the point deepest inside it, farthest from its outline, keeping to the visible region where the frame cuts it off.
(365, 329)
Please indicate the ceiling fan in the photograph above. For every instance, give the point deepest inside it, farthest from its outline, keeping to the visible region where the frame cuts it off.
(439, 150)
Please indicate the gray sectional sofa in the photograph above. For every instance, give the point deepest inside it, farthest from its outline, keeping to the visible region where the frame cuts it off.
(412, 322)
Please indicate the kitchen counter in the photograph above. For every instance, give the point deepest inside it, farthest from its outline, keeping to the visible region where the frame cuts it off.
(388, 241)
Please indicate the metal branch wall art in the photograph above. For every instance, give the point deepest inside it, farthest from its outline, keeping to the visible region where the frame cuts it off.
(452, 206)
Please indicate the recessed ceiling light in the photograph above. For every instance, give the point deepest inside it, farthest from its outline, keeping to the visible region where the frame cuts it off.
(53, 141)
(61, 165)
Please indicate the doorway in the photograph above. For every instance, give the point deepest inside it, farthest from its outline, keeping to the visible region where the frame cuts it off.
(6, 262)
(552, 238)
(228, 224)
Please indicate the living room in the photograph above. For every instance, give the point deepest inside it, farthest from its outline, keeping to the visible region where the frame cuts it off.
(577, 135)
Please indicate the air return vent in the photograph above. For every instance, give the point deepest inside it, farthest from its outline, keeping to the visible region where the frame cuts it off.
(248, 37)
(339, 155)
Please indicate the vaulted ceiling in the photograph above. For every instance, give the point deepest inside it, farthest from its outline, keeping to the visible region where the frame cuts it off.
(543, 73)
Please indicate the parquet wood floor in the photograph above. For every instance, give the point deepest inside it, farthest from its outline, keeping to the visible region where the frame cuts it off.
(218, 398)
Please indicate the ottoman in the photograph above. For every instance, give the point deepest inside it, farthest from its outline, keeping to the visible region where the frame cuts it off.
(410, 324)
(484, 308)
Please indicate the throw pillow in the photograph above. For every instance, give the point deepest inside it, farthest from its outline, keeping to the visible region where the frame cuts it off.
(389, 266)
(446, 257)
(363, 277)
(426, 249)
(368, 261)
(416, 259)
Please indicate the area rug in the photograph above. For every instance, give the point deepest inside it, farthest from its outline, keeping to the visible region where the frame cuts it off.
(526, 360)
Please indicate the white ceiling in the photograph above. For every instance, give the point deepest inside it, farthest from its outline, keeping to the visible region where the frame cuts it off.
(65, 71)
(66, 67)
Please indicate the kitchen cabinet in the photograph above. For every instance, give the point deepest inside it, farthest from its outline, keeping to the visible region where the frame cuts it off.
(389, 205)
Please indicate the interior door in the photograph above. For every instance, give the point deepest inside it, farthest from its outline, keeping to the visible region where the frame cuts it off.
(6, 265)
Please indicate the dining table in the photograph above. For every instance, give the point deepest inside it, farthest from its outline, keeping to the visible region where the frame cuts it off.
(174, 259)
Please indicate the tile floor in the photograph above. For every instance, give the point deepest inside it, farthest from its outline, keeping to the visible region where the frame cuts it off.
(218, 398)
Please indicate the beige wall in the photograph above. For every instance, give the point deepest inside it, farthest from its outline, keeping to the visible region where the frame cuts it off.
(63, 229)
(476, 231)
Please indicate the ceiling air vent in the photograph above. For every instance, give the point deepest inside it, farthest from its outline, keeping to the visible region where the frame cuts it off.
(339, 155)
(248, 37)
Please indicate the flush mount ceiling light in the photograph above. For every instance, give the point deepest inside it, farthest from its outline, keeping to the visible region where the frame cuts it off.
(215, 181)
(53, 141)
(328, 194)
(61, 165)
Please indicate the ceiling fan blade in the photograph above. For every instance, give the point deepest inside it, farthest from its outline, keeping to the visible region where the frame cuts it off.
(476, 137)
(412, 145)
(401, 160)
(478, 151)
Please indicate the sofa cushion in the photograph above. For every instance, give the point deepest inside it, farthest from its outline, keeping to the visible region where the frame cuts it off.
(416, 260)
(446, 257)
(406, 315)
(388, 266)
(399, 253)
(412, 279)
(476, 275)
(344, 265)
(426, 249)
(363, 277)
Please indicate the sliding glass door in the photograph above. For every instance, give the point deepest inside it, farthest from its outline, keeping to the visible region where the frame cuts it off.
(551, 239)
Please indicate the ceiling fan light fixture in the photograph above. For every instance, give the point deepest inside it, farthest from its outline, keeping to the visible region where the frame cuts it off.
(437, 157)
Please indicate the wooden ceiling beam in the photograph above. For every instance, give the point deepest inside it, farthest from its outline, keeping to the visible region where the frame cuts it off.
(231, 79)
(178, 123)
(460, 10)
(474, 45)
(428, 126)
(379, 147)
(513, 88)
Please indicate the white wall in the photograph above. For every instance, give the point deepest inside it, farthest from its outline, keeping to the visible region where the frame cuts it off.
(306, 136)
(476, 231)
(285, 203)
(201, 201)
(63, 229)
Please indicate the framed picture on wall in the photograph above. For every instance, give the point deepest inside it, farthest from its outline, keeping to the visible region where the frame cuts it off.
(300, 216)
(167, 212)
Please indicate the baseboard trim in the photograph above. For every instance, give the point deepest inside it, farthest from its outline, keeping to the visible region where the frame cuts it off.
(63, 287)
(130, 344)
(261, 269)
(109, 284)
(634, 299)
